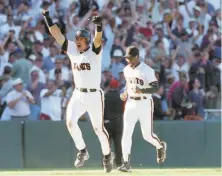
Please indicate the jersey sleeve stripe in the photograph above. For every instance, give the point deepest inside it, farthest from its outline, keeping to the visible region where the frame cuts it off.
(152, 109)
(103, 128)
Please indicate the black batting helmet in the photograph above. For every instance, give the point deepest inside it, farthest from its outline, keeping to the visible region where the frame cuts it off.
(83, 33)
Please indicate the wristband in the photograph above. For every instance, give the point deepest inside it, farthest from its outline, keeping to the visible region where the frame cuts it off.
(49, 21)
(99, 28)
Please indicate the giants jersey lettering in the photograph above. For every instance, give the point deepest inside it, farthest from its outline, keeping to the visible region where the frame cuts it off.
(140, 77)
(86, 66)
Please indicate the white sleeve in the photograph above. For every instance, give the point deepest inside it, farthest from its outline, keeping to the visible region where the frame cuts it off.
(71, 48)
(9, 97)
(29, 94)
(65, 74)
(124, 72)
(58, 93)
(150, 76)
(43, 92)
(51, 75)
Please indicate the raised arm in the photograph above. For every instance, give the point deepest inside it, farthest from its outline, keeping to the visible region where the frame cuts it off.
(97, 41)
(173, 37)
(53, 28)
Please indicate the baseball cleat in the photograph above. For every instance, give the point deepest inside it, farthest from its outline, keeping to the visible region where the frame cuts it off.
(81, 158)
(108, 163)
(161, 153)
(125, 167)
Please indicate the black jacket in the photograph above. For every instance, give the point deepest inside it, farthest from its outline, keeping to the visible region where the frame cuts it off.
(113, 105)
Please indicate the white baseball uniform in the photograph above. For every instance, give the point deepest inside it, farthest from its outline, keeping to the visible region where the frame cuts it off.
(138, 107)
(86, 68)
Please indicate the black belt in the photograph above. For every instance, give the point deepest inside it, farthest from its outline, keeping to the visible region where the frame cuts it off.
(138, 98)
(86, 90)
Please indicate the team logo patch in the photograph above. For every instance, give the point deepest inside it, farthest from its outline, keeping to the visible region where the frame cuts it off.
(82, 66)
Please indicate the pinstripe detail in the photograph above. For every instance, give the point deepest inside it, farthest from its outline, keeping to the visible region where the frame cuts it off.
(152, 109)
(103, 129)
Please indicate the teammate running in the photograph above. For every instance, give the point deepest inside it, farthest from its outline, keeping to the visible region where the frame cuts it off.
(140, 84)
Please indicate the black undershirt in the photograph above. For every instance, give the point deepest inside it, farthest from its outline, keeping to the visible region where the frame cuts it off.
(136, 65)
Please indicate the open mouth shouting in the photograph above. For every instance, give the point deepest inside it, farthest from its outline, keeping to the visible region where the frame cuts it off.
(79, 45)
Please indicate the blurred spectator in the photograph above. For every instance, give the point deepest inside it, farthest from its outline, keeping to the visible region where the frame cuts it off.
(201, 16)
(46, 46)
(9, 25)
(117, 45)
(59, 74)
(49, 61)
(38, 47)
(23, 12)
(122, 80)
(3, 17)
(116, 65)
(35, 87)
(158, 113)
(163, 43)
(107, 44)
(158, 53)
(202, 69)
(180, 66)
(37, 65)
(3, 59)
(51, 96)
(19, 100)
(184, 42)
(12, 43)
(86, 5)
(113, 117)
(179, 95)
(217, 19)
(6, 85)
(21, 67)
(197, 96)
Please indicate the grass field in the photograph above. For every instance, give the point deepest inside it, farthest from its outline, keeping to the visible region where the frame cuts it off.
(135, 172)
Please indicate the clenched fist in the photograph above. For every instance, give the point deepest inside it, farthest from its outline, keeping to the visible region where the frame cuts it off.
(97, 20)
(123, 96)
(45, 13)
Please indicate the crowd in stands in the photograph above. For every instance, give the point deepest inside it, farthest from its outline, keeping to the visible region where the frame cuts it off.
(179, 39)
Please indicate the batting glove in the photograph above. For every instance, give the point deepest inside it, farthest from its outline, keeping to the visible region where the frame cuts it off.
(97, 20)
(123, 96)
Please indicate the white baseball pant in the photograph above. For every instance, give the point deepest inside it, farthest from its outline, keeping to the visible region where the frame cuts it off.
(141, 110)
(93, 103)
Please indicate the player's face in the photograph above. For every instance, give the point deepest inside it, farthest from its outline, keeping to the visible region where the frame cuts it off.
(81, 43)
(132, 61)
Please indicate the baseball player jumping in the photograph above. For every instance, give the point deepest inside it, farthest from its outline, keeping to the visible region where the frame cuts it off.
(87, 96)
(140, 84)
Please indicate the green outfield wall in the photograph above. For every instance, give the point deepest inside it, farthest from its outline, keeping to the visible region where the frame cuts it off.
(46, 144)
